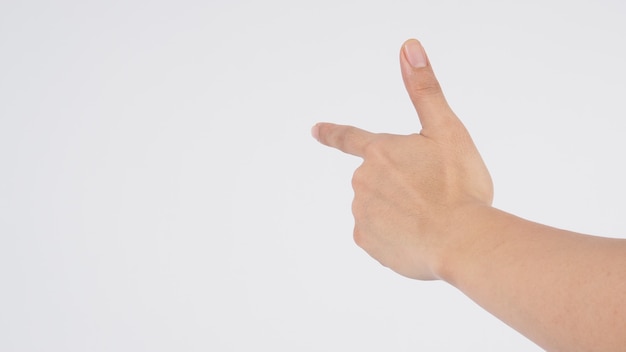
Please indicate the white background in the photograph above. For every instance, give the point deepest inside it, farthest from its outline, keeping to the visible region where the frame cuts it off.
(160, 191)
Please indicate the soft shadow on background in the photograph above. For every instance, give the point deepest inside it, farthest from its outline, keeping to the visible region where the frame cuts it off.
(159, 189)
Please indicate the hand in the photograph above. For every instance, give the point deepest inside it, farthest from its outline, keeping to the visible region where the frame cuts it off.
(411, 191)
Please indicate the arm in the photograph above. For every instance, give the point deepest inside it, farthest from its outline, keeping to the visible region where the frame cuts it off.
(565, 291)
(422, 207)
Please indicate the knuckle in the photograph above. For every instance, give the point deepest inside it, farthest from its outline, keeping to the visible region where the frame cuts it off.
(428, 89)
(425, 83)
(340, 139)
(376, 147)
(358, 237)
(343, 136)
(357, 178)
(357, 210)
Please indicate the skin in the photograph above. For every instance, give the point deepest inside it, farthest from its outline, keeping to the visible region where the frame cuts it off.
(422, 207)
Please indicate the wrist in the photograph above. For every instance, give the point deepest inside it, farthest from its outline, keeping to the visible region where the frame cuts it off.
(471, 234)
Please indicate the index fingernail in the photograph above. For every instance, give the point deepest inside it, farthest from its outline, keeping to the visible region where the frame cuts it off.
(315, 131)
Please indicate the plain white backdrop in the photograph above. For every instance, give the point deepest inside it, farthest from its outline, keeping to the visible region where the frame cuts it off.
(160, 191)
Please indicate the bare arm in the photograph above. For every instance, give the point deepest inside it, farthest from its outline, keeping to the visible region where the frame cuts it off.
(422, 207)
(565, 291)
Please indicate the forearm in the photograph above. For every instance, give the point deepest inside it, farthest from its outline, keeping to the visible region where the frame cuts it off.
(563, 290)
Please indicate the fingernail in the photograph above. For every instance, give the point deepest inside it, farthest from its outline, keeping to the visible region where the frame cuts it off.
(415, 54)
(315, 132)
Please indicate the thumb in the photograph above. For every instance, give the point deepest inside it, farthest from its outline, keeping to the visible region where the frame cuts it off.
(424, 89)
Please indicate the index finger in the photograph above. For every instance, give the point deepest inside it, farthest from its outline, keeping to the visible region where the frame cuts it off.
(348, 139)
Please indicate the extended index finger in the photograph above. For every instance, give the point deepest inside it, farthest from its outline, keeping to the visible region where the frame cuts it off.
(348, 139)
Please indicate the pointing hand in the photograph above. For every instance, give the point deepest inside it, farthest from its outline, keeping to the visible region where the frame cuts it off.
(411, 191)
